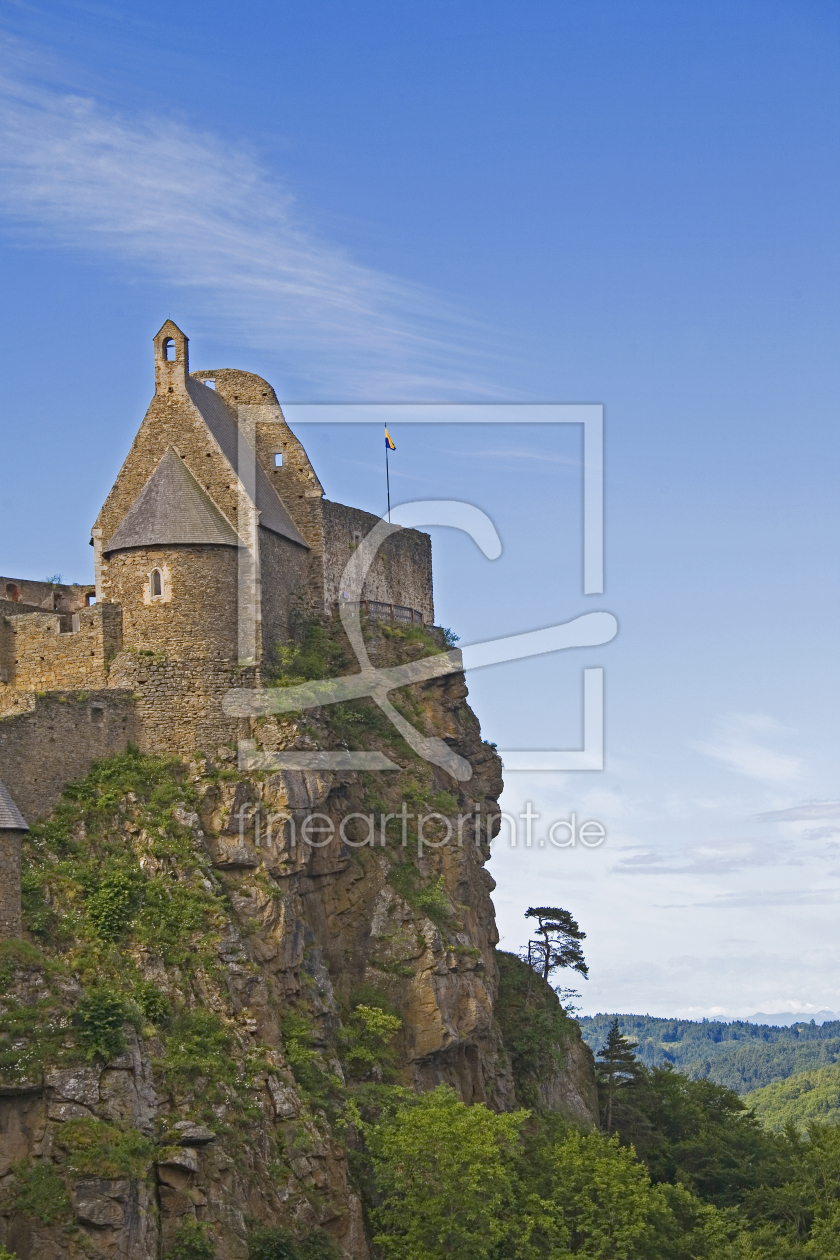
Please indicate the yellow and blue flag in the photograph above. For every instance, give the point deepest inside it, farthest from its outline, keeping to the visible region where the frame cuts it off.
(388, 443)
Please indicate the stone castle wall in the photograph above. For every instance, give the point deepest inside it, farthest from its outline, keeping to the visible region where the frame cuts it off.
(51, 651)
(284, 588)
(56, 740)
(401, 572)
(178, 703)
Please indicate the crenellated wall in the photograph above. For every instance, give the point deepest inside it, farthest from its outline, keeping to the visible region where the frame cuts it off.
(50, 651)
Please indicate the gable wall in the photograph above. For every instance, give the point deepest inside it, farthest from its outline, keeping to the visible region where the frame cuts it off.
(168, 422)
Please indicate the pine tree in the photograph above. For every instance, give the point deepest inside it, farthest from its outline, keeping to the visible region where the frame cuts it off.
(617, 1067)
(559, 944)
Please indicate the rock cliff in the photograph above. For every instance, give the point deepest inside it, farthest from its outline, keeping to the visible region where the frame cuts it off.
(215, 959)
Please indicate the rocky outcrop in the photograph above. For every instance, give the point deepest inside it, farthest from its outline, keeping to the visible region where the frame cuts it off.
(177, 1032)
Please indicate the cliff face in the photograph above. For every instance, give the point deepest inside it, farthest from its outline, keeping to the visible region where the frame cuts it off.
(208, 976)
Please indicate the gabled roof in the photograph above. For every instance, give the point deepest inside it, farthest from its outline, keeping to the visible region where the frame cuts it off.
(172, 508)
(10, 818)
(225, 430)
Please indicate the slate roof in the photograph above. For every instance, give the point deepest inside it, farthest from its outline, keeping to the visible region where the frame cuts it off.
(172, 508)
(10, 818)
(223, 426)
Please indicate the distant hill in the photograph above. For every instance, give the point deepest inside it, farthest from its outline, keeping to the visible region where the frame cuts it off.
(740, 1055)
(807, 1096)
(789, 1017)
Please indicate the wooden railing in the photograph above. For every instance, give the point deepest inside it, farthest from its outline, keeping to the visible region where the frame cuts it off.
(389, 612)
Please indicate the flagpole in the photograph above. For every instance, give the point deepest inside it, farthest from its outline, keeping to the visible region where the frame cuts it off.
(388, 479)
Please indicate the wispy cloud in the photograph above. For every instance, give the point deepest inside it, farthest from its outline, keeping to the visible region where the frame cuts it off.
(775, 897)
(805, 813)
(709, 859)
(208, 219)
(742, 744)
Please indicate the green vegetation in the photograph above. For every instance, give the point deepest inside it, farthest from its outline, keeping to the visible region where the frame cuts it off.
(799, 1100)
(430, 897)
(274, 1243)
(535, 1028)
(100, 1016)
(94, 1148)
(458, 1182)
(367, 1041)
(191, 1242)
(40, 1193)
(113, 874)
(198, 1045)
(738, 1055)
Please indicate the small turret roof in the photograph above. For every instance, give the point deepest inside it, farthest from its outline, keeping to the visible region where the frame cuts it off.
(172, 508)
(10, 817)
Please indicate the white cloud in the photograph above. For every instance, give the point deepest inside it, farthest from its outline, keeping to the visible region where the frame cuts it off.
(738, 748)
(804, 813)
(206, 218)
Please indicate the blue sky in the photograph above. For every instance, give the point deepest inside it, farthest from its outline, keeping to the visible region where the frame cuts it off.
(631, 205)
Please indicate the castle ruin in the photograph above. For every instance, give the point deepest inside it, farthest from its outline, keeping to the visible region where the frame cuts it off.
(216, 521)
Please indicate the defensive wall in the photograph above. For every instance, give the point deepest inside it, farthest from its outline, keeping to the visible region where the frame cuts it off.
(401, 572)
(56, 741)
(45, 651)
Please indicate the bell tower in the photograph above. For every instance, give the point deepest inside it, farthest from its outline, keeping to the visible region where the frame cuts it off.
(172, 360)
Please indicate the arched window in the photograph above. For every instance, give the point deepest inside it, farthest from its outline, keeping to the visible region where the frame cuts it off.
(157, 582)
(169, 351)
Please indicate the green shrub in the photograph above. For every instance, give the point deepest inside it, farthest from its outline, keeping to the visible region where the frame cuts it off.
(367, 1039)
(111, 905)
(271, 1242)
(171, 912)
(153, 1002)
(100, 1016)
(199, 1044)
(317, 651)
(41, 1193)
(191, 1242)
(303, 1058)
(317, 1246)
(434, 902)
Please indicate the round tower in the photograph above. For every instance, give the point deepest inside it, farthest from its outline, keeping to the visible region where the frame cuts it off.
(173, 569)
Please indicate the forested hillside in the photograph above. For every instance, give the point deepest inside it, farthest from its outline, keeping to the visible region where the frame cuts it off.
(737, 1055)
(799, 1099)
